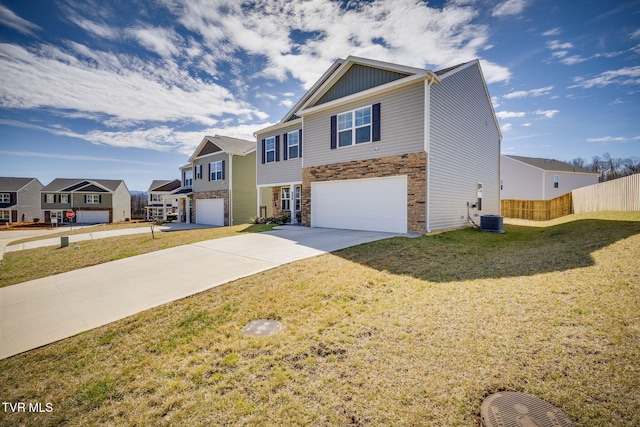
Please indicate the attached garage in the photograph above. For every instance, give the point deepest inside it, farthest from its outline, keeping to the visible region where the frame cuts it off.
(210, 211)
(377, 204)
(92, 217)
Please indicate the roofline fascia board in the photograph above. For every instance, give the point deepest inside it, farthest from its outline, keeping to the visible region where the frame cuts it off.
(279, 184)
(28, 183)
(378, 90)
(277, 126)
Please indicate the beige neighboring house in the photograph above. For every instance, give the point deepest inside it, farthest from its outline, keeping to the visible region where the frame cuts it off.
(222, 177)
(19, 199)
(93, 201)
(532, 178)
(384, 147)
(160, 200)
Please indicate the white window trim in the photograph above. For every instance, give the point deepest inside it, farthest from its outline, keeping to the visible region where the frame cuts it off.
(64, 196)
(5, 198)
(285, 191)
(92, 199)
(216, 168)
(188, 178)
(198, 169)
(51, 198)
(556, 181)
(290, 145)
(353, 129)
(297, 196)
(5, 215)
(267, 150)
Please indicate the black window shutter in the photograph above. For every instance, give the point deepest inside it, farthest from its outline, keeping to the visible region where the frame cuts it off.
(209, 174)
(99, 198)
(285, 148)
(334, 132)
(223, 169)
(277, 148)
(375, 131)
(300, 143)
(263, 152)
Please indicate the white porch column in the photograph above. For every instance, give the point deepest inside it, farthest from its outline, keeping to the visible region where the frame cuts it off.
(292, 203)
(164, 209)
(188, 208)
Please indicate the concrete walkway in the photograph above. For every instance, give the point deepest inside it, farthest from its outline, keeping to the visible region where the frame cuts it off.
(42, 311)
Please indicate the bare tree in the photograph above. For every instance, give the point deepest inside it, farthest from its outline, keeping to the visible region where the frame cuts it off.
(609, 167)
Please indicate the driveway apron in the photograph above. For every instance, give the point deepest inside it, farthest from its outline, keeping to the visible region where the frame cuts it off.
(42, 311)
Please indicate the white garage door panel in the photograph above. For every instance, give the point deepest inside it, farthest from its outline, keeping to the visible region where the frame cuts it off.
(378, 204)
(92, 217)
(210, 211)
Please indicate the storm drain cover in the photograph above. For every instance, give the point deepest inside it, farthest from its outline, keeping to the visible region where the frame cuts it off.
(262, 327)
(510, 408)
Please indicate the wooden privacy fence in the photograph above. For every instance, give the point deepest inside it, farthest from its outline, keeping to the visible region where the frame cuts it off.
(622, 194)
(538, 210)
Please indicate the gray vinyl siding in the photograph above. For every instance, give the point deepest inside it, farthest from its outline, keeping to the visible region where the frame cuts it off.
(205, 184)
(465, 150)
(401, 129)
(357, 79)
(244, 194)
(283, 171)
(28, 200)
(121, 203)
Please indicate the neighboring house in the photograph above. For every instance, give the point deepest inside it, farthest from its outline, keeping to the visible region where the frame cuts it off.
(384, 147)
(529, 178)
(92, 200)
(222, 177)
(160, 200)
(19, 199)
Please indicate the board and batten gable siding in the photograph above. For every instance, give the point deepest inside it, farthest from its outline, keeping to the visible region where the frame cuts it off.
(204, 184)
(282, 171)
(520, 181)
(465, 150)
(401, 128)
(243, 192)
(357, 79)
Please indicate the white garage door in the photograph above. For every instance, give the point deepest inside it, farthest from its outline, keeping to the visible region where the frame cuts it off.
(378, 204)
(92, 217)
(210, 211)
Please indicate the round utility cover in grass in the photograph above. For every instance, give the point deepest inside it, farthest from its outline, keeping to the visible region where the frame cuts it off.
(262, 327)
(510, 408)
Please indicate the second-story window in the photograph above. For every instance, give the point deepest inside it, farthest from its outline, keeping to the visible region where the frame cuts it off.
(354, 127)
(51, 198)
(188, 179)
(270, 149)
(64, 198)
(217, 170)
(556, 181)
(5, 198)
(198, 171)
(293, 145)
(93, 199)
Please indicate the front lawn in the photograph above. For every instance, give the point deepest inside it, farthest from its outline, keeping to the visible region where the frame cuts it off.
(396, 332)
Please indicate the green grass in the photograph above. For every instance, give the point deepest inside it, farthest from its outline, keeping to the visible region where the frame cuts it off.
(30, 264)
(397, 332)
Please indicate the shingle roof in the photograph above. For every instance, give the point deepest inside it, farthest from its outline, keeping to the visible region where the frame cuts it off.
(164, 185)
(59, 184)
(446, 70)
(232, 145)
(551, 164)
(13, 184)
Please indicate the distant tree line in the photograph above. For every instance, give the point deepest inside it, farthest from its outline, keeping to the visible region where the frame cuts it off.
(138, 202)
(609, 167)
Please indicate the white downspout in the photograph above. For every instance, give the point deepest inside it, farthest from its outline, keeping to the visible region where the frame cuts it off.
(427, 148)
(230, 189)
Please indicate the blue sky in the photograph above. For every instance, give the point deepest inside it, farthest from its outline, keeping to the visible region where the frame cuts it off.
(127, 90)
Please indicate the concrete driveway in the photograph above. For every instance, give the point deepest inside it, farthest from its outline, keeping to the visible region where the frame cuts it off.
(42, 311)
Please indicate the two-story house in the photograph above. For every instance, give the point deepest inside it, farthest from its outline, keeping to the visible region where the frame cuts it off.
(160, 200)
(19, 199)
(384, 147)
(532, 178)
(91, 200)
(222, 177)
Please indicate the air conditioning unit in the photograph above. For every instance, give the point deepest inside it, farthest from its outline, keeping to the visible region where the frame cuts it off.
(491, 223)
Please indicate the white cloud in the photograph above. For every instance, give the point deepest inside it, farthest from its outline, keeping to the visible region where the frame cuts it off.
(97, 29)
(526, 125)
(556, 45)
(71, 157)
(509, 114)
(615, 139)
(288, 103)
(546, 113)
(623, 76)
(509, 7)
(50, 77)
(506, 127)
(11, 20)
(552, 32)
(495, 101)
(159, 40)
(533, 92)
(635, 35)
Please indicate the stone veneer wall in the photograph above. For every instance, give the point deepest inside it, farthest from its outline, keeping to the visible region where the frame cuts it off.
(413, 165)
(217, 194)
